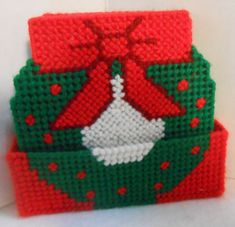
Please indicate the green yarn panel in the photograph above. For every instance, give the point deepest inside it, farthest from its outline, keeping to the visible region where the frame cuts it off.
(33, 97)
(138, 178)
(197, 73)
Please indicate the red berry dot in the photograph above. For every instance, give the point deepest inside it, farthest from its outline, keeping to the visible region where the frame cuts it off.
(183, 85)
(164, 165)
(30, 120)
(55, 89)
(195, 150)
(52, 166)
(90, 194)
(194, 122)
(47, 138)
(158, 186)
(81, 175)
(121, 191)
(200, 103)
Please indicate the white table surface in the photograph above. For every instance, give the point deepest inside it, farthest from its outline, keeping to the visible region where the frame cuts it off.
(207, 212)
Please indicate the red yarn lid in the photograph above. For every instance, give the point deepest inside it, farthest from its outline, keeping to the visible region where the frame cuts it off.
(69, 42)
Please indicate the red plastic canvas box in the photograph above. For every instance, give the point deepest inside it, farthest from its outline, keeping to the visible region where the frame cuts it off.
(114, 109)
(35, 195)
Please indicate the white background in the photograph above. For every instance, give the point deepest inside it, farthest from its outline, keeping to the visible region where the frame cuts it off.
(213, 34)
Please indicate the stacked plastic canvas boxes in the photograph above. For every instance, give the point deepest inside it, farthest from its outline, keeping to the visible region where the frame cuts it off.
(114, 109)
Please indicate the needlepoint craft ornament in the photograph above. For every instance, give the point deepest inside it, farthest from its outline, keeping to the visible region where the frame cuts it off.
(114, 118)
(114, 109)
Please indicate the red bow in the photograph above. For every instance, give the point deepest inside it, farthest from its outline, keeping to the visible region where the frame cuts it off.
(135, 55)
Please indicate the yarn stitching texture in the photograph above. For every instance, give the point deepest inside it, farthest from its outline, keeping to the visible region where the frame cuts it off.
(121, 134)
(36, 89)
(134, 64)
(78, 113)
